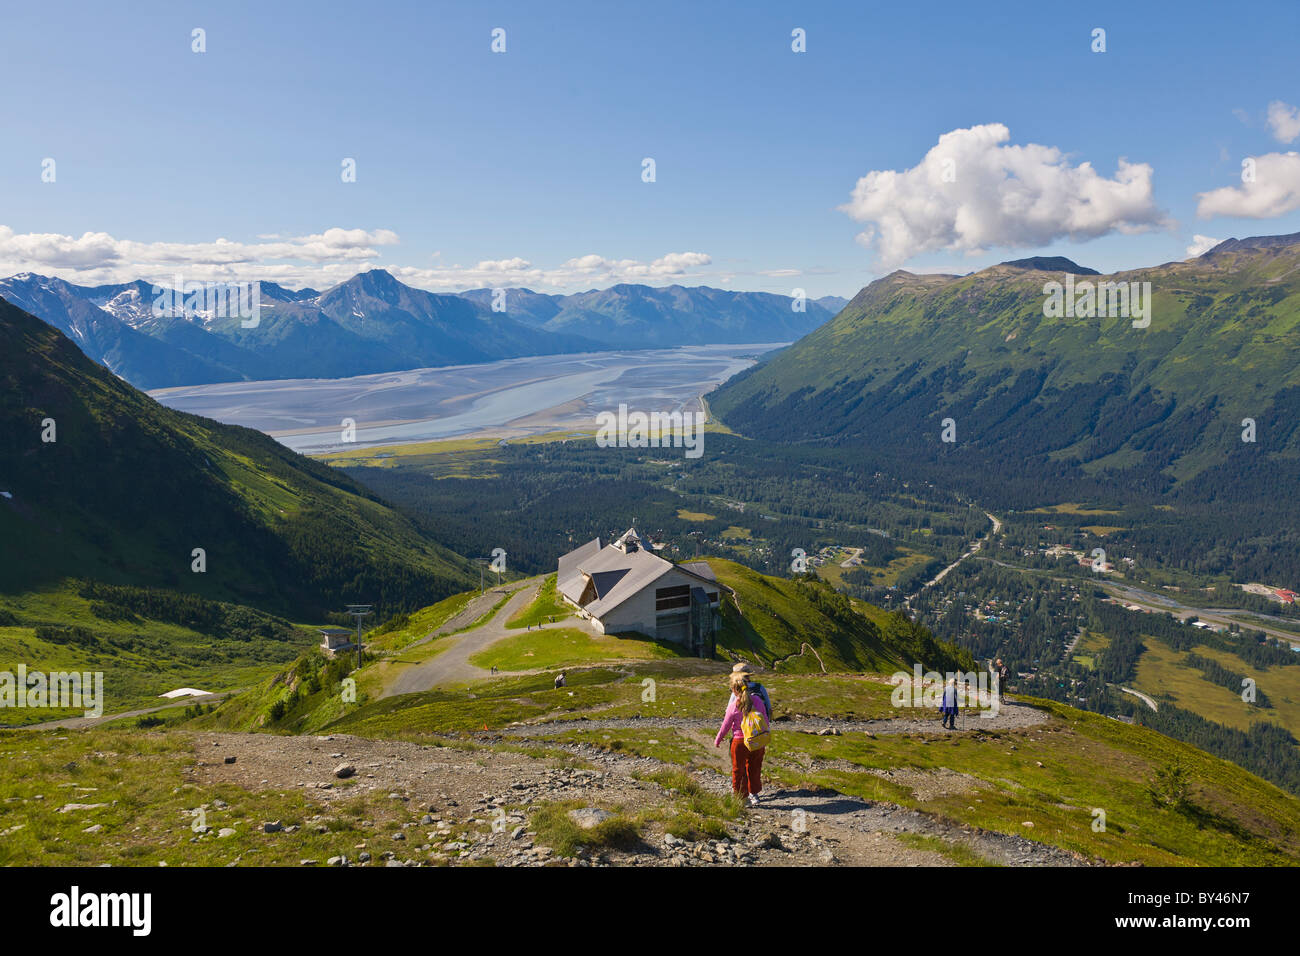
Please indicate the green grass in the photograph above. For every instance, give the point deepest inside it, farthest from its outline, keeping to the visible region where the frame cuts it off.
(547, 605)
(1162, 670)
(139, 658)
(960, 854)
(769, 619)
(553, 647)
(407, 628)
(554, 828)
(150, 802)
(419, 717)
(697, 813)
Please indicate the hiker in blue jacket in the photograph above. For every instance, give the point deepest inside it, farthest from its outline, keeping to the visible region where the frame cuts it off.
(949, 705)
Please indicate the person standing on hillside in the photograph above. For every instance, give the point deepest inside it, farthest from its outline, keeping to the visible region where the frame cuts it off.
(746, 723)
(948, 707)
(1002, 673)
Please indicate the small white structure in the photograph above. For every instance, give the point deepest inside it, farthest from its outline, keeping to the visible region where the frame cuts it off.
(335, 639)
(624, 587)
(186, 692)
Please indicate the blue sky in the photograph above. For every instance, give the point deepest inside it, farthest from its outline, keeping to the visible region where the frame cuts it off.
(475, 168)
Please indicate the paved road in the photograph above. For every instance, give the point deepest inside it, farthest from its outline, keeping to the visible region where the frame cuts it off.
(1211, 615)
(1159, 602)
(975, 546)
(1145, 699)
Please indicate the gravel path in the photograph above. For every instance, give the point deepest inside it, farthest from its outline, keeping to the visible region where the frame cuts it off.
(1011, 716)
(452, 666)
(461, 790)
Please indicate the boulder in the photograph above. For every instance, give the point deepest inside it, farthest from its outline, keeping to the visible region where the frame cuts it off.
(589, 817)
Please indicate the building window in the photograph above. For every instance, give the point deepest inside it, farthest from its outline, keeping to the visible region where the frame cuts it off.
(668, 599)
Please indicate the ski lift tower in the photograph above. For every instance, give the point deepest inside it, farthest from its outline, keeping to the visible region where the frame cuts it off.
(359, 611)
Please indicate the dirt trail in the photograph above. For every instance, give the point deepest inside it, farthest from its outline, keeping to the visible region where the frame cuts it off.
(805, 826)
(467, 615)
(1011, 716)
(452, 666)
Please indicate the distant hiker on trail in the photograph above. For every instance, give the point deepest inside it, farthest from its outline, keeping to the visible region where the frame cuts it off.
(1002, 673)
(746, 723)
(559, 680)
(949, 706)
(754, 686)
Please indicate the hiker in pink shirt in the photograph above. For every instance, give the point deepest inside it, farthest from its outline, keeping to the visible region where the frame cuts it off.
(746, 764)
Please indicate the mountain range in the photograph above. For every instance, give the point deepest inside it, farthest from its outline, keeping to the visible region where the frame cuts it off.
(640, 316)
(375, 323)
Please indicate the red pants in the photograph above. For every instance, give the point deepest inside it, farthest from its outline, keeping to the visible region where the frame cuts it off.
(746, 768)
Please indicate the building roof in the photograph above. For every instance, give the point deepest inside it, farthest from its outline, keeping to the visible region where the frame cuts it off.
(569, 562)
(699, 569)
(616, 572)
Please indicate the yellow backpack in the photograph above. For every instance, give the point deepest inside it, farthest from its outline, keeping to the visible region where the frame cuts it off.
(755, 730)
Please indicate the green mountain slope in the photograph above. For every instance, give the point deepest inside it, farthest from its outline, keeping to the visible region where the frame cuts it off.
(804, 624)
(1074, 397)
(129, 489)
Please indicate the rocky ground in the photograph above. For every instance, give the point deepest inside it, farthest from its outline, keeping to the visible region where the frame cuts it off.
(476, 806)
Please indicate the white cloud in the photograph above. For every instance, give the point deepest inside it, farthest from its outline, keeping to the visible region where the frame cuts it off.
(1201, 245)
(970, 193)
(99, 257)
(319, 260)
(1273, 191)
(1284, 120)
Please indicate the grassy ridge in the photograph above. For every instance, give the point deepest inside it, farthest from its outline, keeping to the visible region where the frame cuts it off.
(769, 619)
(129, 489)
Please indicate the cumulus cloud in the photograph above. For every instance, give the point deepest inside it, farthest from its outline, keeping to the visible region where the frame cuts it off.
(1201, 245)
(1284, 120)
(318, 260)
(971, 192)
(1272, 188)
